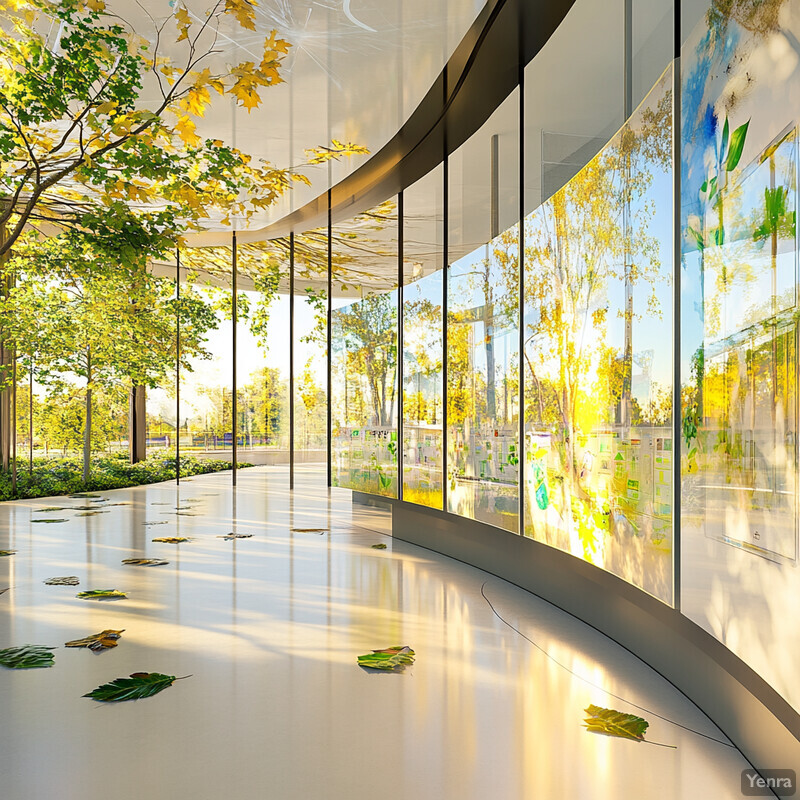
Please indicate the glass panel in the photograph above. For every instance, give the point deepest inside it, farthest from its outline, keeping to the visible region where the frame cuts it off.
(311, 357)
(575, 92)
(598, 361)
(423, 229)
(739, 331)
(482, 322)
(206, 427)
(364, 352)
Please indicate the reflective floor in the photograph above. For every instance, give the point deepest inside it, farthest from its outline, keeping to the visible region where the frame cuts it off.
(269, 628)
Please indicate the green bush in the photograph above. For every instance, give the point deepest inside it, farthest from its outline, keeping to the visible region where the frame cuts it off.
(58, 476)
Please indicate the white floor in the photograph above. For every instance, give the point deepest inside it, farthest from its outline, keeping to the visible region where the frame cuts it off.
(269, 629)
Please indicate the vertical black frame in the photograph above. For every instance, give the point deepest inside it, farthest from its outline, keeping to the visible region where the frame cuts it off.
(234, 401)
(177, 366)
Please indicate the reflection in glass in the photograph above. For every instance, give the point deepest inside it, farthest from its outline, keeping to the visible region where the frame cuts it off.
(483, 383)
(598, 356)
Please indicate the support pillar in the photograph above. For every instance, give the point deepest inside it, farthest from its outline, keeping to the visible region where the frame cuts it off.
(137, 424)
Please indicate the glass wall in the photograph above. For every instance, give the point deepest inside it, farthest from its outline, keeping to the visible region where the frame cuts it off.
(364, 383)
(739, 330)
(311, 356)
(423, 375)
(482, 323)
(598, 356)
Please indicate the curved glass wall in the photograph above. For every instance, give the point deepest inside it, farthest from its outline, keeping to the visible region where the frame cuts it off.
(422, 321)
(739, 349)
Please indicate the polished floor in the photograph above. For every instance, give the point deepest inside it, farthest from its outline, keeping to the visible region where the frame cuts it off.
(269, 629)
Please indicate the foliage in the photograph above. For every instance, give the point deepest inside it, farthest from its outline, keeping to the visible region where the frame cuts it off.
(230, 536)
(171, 539)
(62, 476)
(102, 594)
(615, 723)
(380, 546)
(29, 656)
(70, 580)
(391, 659)
(81, 149)
(97, 642)
(136, 687)
(145, 562)
(7, 553)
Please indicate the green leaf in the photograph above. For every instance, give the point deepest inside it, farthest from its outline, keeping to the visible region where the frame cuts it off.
(615, 723)
(29, 656)
(725, 134)
(48, 520)
(392, 658)
(380, 546)
(309, 530)
(97, 641)
(737, 146)
(137, 686)
(7, 552)
(144, 562)
(171, 539)
(70, 580)
(102, 594)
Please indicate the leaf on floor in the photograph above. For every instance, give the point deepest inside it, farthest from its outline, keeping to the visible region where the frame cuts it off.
(86, 495)
(185, 514)
(82, 508)
(392, 658)
(159, 504)
(380, 546)
(7, 553)
(229, 536)
(615, 723)
(90, 513)
(160, 522)
(309, 530)
(48, 520)
(3, 591)
(102, 594)
(54, 508)
(29, 656)
(125, 503)
(137, 686)
(171, 539)
(145, 562)
(69, 580)
(97, 642)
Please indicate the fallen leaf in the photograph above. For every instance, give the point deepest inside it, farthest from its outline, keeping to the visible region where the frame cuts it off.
(184, 514)
(90, 513)
(136, 687)
(172, 539)
(309, 530)
(81, 508)
(3, 591)
(229, 536)
(97, 641)
(161, 522)
(392, 658)
(102, 594)
(7, 552)
(144, 562)
(380, 546)
(85, 494)
(159, 504)
(53, 508)
(70, 580)
(615, 723)
(29, 656)
(48, 520)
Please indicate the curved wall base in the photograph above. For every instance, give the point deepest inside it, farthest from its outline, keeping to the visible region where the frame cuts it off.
(755, 718)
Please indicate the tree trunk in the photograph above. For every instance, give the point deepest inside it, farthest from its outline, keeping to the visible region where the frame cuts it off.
(87, 430)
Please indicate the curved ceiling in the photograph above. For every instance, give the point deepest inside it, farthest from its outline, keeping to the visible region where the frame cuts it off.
(355, 72)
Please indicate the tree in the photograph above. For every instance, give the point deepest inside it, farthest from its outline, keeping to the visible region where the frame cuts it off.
(75, 313)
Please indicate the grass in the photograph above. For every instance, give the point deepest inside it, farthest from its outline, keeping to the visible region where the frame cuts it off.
(59, 476)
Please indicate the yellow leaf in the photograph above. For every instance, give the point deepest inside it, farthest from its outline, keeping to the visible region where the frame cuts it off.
(205, 78)
(184, 23)
(187, 130)
(107, 107)
(94, 5)
(243, 11)
(196, 100)
(276, 45)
